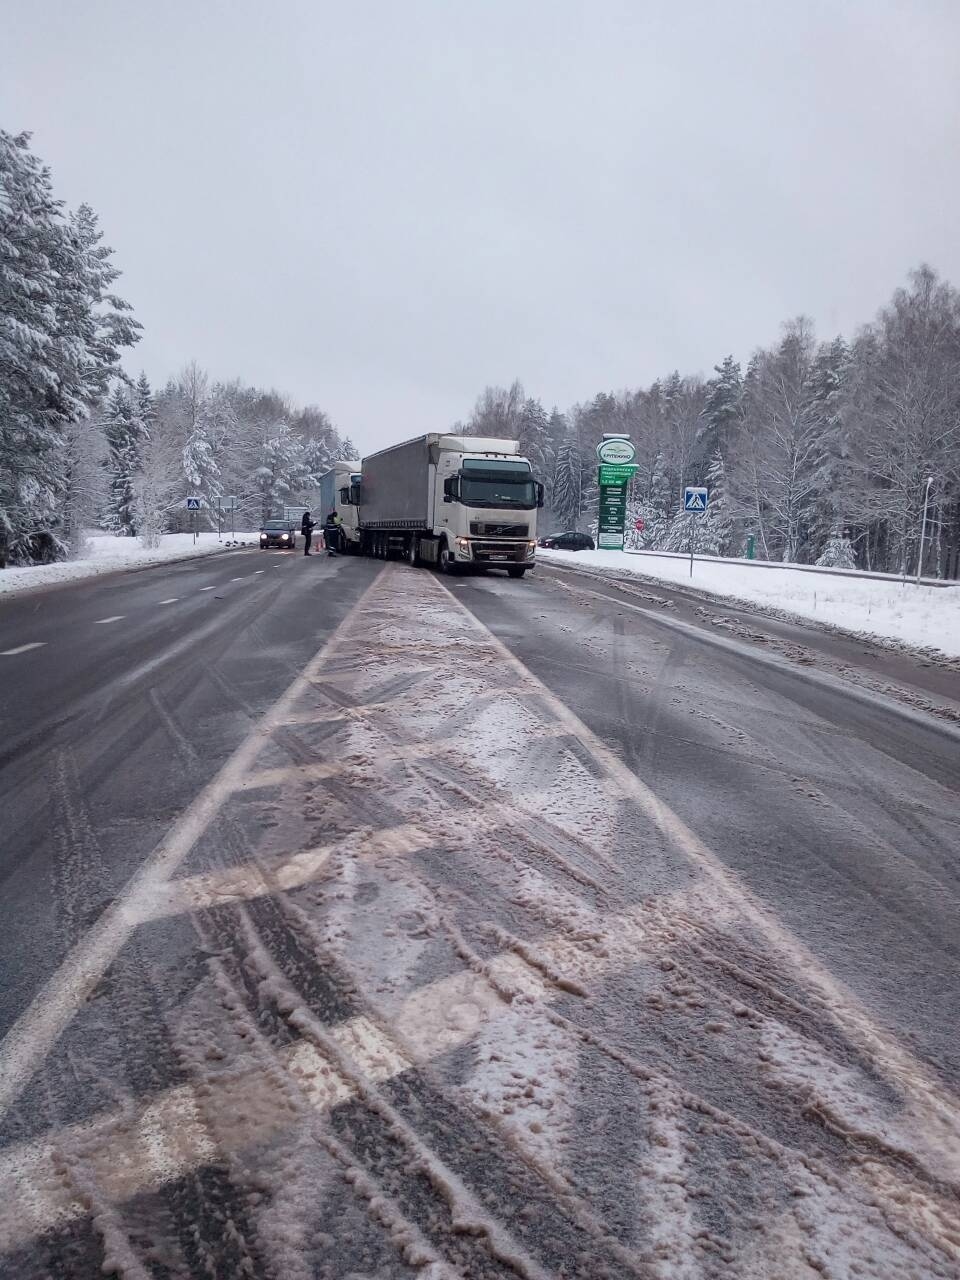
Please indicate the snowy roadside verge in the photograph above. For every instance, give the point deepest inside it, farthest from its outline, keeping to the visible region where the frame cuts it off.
(900, 614)
(108, 554)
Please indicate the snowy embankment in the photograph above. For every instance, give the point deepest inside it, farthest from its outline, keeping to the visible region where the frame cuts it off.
(107, 554)
(921, 616)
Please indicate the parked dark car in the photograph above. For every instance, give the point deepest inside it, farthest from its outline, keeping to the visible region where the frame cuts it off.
(569, 541)
(278, 533)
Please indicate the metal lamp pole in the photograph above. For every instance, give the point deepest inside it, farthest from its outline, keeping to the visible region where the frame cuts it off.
(923, 526)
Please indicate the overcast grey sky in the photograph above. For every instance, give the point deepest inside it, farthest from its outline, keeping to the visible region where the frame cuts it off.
(381, 207)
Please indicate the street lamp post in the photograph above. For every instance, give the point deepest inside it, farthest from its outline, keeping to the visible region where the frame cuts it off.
(923, 525)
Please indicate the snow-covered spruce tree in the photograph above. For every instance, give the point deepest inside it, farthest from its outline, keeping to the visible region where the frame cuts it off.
(30, 440)
(838, 553)
(723, 408)
(61, 332)
(122, 429)
(718, 518)
(566, 486)
(145, 408)
(282, 470)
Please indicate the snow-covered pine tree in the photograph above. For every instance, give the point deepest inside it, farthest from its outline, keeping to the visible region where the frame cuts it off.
(838, 552)
(60, 338)
(283, 469)
(30, 442)
(348, 450)
(120, 427)
(534, 438)
(723, 408)
(566, 486)
(146, 409)
(718, 522)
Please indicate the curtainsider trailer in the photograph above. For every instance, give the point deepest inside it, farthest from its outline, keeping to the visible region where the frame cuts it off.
(450, 501)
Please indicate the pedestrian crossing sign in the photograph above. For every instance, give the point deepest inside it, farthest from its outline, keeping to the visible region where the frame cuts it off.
(695, 498)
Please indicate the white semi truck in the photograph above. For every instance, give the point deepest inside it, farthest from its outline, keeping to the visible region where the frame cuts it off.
(450, 501)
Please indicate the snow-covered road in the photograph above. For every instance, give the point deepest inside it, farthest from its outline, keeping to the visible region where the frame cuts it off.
(519, 937)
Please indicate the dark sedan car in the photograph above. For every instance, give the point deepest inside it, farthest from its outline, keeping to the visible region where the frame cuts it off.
(278, 533)
(569, 541)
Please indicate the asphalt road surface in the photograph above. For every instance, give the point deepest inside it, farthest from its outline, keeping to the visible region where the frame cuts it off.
(360, 923)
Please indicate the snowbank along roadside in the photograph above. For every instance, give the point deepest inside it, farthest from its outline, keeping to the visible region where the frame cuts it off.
(919, 616)
(108, 554)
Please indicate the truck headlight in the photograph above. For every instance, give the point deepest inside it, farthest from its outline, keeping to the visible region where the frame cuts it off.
(463, 546)
(531, 548)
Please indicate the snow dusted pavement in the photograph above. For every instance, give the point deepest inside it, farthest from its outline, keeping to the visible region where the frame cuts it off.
(516, 939)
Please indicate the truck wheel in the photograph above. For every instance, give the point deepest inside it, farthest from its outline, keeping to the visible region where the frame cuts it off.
(517, 570)
(447, 563)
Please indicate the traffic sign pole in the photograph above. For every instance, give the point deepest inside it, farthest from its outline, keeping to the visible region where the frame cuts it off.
(695, 499)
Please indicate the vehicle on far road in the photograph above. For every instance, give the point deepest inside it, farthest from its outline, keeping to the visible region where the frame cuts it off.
(569, 541)
(278, 533)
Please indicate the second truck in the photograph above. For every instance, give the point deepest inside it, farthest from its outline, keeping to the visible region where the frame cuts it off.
(450, 501)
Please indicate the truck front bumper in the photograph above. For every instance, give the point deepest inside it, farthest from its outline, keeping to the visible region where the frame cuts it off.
(488, 551)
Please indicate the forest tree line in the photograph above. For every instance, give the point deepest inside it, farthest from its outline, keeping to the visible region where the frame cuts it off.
(84, 446)
(820, 451)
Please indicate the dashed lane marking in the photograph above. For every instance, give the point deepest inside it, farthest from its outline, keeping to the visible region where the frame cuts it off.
(240, 579)
(172, 600)
(22, 648)
(208, 588)
(117, 617)
(30, 1039)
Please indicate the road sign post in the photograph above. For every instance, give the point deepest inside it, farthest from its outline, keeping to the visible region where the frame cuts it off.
(695, 499)
(193, 505)
(615, 454)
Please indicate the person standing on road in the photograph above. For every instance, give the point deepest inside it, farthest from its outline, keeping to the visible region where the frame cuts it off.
(331, 533)
(307, 527)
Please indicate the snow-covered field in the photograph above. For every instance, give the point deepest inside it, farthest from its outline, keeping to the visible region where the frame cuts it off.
(107, 554)
(928, 617)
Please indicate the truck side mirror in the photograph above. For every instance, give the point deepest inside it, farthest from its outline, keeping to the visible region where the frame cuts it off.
(355, 495)
(539, 494)
(450, 489)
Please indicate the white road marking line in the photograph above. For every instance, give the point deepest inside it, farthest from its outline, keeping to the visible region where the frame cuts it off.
(259, 571)
(240, 579)
(31, 1038)
(172, 600)
(168, 1138)
(117, 617)
(931, 1104)
(23, 648)
(208, 588)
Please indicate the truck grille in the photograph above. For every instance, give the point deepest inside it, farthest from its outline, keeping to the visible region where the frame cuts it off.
(485, 529)
(508, 550)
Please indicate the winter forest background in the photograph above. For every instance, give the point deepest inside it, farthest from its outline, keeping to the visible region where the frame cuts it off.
(819, 450)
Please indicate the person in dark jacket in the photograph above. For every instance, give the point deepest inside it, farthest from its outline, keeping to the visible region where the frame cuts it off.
(331, 533)
(307, 527)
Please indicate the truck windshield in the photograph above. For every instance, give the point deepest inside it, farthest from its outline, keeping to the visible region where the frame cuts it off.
(480, 491)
